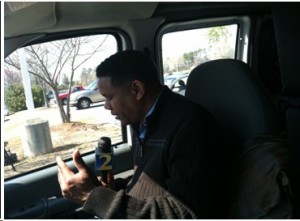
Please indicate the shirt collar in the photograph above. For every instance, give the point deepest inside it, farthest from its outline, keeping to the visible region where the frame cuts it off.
(151, 109)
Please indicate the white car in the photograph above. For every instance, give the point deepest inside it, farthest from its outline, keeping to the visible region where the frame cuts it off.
(177, 82)
(83, 99)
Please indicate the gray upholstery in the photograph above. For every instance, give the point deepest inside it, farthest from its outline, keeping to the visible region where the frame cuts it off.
(286, 23)
(236, 98)
(252, 166)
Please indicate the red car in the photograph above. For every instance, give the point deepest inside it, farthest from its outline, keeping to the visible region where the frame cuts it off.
(64, 96)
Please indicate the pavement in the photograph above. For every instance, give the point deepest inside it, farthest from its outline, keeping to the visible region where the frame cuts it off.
(14, 124)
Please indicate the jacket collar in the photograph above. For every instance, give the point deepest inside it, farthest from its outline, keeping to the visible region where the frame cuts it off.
(155, 109)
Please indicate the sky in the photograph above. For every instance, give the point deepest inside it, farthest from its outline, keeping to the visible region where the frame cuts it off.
(109, 48)
(178, 43)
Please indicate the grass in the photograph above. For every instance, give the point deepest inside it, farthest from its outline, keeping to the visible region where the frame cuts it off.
(65, 138)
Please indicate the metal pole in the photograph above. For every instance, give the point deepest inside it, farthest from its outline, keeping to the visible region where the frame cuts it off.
(26, 80)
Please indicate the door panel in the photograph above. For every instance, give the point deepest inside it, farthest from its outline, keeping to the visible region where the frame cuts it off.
(38, 195)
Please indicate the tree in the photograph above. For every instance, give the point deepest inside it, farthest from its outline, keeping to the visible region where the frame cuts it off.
(15, 97)
(216, 34)
(78, 58)
(38, 98)
(84, 76)
(11, 77)
(45, 61)
(48, 61)
(189, 58)
(65, 80)
(87, 76)
(166, 68)
(218, 43)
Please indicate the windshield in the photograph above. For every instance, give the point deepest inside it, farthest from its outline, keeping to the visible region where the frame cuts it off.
(92, 86)
(168, 80)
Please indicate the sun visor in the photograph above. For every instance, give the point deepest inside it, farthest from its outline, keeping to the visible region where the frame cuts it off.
(28, 17)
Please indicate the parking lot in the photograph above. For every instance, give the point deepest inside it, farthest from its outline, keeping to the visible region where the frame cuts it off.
(96, 114)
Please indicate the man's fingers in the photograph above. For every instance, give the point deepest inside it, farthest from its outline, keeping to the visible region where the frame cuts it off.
(80, 164)
(62, 183)
(61, 180)
(63, 168)
(110, 177)
(110, 180)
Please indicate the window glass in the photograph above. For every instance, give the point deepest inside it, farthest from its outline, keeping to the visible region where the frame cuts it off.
(39, 127)
(184, 50)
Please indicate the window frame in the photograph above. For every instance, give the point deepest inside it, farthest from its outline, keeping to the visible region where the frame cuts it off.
(242, 42)
(123, 42)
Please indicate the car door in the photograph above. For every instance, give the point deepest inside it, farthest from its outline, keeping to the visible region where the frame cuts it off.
(37, 195)
(95, 95)
(31, 186)
(37, 189)
(168, 32)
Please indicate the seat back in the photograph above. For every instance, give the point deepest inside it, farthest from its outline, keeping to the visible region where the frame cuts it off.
(260, 187)
(236, 98)
(244, 113)
(286, 18)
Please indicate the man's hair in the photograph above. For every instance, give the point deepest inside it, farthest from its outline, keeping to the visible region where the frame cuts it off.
(127, 66)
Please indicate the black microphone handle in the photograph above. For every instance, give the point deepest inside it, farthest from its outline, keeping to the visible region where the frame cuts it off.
(104, 144)
(104, 176)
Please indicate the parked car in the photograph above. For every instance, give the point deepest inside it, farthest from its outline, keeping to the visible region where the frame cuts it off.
(49, 95)
(83, 99)
(246, 59)
(63, 96)
(177, 82)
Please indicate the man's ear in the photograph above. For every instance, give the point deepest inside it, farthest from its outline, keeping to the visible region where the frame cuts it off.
(138, 89)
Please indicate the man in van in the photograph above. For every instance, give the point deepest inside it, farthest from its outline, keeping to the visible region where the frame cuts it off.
(173, 142)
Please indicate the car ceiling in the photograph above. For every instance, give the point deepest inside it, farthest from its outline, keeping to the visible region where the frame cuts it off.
(46, 17)
(26, 21)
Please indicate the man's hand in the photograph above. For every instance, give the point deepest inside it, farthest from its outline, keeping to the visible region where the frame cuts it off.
(110, 181)
(76, 187)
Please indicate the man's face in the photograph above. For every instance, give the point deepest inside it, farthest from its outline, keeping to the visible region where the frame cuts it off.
(120, 101)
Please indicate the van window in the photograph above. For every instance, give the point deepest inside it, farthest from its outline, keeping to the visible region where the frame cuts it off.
(39, 126)
(184, 50)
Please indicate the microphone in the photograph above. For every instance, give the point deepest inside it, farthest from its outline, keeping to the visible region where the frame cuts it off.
(104, 157)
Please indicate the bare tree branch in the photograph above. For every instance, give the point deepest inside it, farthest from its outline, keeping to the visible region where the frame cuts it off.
(47, 61)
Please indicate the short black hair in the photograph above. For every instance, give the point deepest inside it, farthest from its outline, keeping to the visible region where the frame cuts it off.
(126, 66)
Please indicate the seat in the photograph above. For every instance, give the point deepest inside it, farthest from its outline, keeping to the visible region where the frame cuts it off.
(250, 147)
(233, 94)
(288, 46)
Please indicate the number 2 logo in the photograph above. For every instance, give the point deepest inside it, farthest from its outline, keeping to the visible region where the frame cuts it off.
(106, 164)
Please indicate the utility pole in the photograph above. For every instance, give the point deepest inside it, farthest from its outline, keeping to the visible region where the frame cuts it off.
(26, 80)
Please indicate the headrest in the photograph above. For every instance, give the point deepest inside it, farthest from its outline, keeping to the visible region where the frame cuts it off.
(235, 96)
